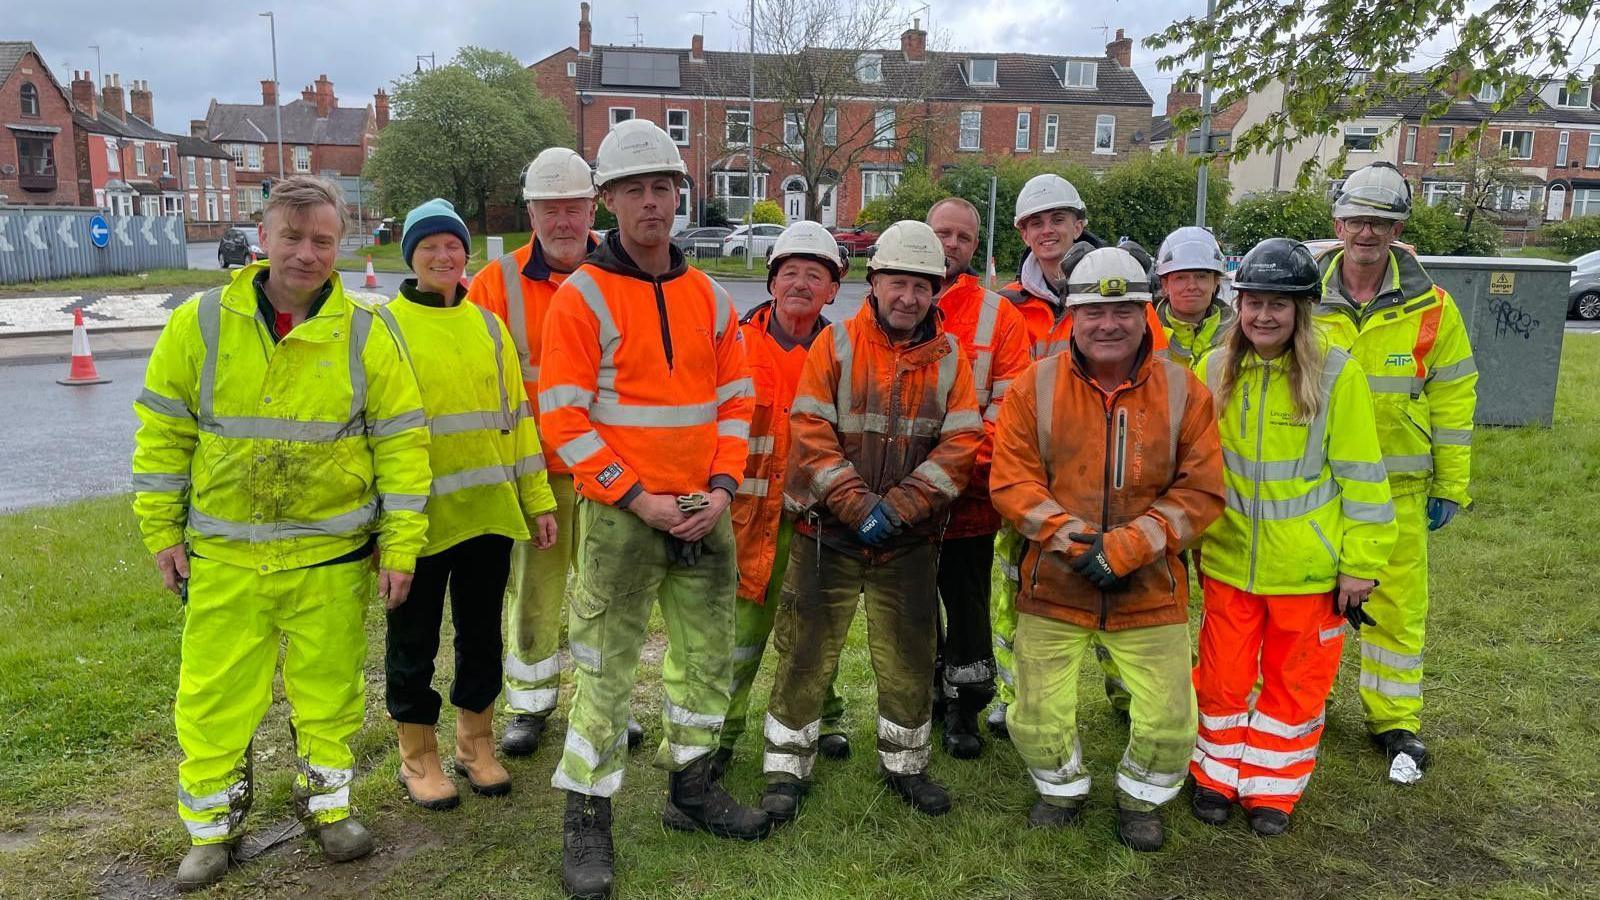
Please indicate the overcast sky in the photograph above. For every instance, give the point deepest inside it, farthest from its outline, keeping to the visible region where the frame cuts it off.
(191, 52)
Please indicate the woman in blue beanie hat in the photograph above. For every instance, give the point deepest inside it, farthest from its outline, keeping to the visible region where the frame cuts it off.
(489, 489)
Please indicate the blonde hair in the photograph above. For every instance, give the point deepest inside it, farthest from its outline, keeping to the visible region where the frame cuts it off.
(297, 194)
(962, 202)
(1304, 357)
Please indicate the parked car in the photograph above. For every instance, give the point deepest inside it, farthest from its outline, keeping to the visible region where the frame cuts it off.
(694, 241)
(762, 240)
(857, 241)
(1583, 295)
(240, 245)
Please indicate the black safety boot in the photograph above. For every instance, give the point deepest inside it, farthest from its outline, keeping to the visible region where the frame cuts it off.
(923, 793)
(696, 801)
(721, 759)
(1400, 741)
(1140, 831)
(635, 733)
(781, 801)
(961, 738)
(1209, 806)
(522, 735)
(997, 722)
(1050, 815)
(1268, 822)
(586, 853)
(834, 746)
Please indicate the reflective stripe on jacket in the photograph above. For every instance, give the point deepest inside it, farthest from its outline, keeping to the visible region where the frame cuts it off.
(994, 338)
(1141, 464)
(1305, 502)
(1187, 343)
(643, 383)
(875, 420)
(483, 449)
(1050, 330)
(282, 455)
(1412, 344)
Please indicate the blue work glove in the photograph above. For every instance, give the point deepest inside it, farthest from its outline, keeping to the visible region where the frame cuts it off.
(880, 525)
(1440, 512)
(1094, 564)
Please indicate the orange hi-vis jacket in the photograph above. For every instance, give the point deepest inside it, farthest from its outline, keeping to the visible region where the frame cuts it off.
(775, 367)
(874, 420)
(1141, 464)
(522, 272)
(643, 384)
(994, 338)
(1050, 329)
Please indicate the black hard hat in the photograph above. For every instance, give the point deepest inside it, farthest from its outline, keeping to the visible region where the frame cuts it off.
(1279, 265)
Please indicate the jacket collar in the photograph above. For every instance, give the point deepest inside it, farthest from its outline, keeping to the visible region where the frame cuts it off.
(1222, 311)
(611, 257)
(240, 296)
(763, 318)
(538, 268)
(1404, 279)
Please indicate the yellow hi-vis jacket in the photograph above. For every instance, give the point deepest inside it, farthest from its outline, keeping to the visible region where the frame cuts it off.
(488, 471)
(1188, 343)
(279, 456)
(1413, 345)
(1305, 502)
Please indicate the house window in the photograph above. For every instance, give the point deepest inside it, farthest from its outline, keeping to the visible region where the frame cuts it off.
(222, 173)
(1052, 131)
(36, 157)
(1561, 147)
(1489, 93)
(237, 150)
(253, 157)
(572, 70)
(877, 183)
(1411, 144)
(211, 207)
(1441, 153)
(678, 126)
(227, 199)
(883, 127)
(113, 159)
(791, 128)
(1517, 144)
(1573, 98)
(1586, 202)
(971, 129)
(981, 71)
(30, 100)
(194, 204)
(736, 128)
(733, 191)
(188, 166)
(1437, 192)
(138, 158)
(830, 128)
(1361, 138)
(1557, 204)
(1592, 160)
(172, 205)
(869, 68)
(166, 160)
(207, 165)
(302, 158)
(620, 114)
(1518, 198)
(1079, 74)
(1024, 129)
(1105, 133)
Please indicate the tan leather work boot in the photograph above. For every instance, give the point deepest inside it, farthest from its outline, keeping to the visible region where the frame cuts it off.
(420, 773)
(475, 753)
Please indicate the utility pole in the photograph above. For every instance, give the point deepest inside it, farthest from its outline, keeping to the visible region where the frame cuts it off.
(750, 155)
(700, 170)
(1202, 184)
(99, 71)
(988, 265)
(277, 90)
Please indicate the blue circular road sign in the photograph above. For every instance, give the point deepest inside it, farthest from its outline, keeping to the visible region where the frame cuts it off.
(99, 231)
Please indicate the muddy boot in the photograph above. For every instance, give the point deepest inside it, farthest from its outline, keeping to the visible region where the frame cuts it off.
(204, 865)
(696, 801)
(420, 773)
(1140, 831)
(961, 738)
(923, 793)
(1209, 806)
(721, 759)
(475, 753)
(344, 840)
(522, 735)
(1407, 756)
(1268, 822)
(635, 733)
(997, 722)
(781, 801)
(586, 853)
(1052, 815)
(834, 746)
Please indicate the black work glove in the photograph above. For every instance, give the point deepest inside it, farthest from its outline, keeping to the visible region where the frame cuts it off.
(1094, 564)
(1357, 616)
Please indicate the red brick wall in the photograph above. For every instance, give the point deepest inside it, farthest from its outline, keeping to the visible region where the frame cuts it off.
(54, 112)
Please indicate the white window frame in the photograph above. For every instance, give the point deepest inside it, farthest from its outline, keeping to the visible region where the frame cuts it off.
(830, 127)
(972, 71)
(1024, 141)
(1077, 73)
(194, 205)
(969, 121)
(1489, 93)
(113, 158)
(1413, 133)
(166, 160)
(1584, 88)
(188, 168)
(207, 167)
(883, 127)
(1052, 132)
(1367, 133)
(1555, 203)
(1509, 142)
(1563, 147)
(728, 125)
(680, 132)
(869, 68)
(139, 169)
(1448, 136)
(572, 70)
(302, 158)
(792, 132)
(612, 114)
(1109, 144)
(1518, 197)
(1435, 192)
(1591, 159)
(1585, 202)
(877, 183)
(237, 151)
(720, 191)
(254, 156)
(222, 173)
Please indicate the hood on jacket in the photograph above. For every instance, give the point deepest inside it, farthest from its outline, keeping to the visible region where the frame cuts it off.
(611, 257)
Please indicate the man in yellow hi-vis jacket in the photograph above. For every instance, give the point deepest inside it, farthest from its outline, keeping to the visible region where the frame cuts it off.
(281, 442)
(1405, 331)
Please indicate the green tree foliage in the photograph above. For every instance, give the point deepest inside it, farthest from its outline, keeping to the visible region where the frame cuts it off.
(768, 212)
(464, 131)
(716, 215)
(1149, 197)
(1441, 231)
(1575, 236)
(1304, 215)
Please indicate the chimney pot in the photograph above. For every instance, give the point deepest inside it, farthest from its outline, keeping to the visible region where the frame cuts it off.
(585, 46)
(269, 92)
(914, 42)
(1121, 50)
(697, 48)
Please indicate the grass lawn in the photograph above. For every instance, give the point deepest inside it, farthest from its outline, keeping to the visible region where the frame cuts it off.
(387, 257)
(89, 662)
(153, 281)
(1540, 253)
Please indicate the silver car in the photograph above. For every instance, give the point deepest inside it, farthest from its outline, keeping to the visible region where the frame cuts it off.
(1583, 294)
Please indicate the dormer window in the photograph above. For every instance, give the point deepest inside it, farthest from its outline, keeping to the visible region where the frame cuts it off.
(981, 71)
(1490, 93)
(1076, 73)
(869, 68)
(1574, 97)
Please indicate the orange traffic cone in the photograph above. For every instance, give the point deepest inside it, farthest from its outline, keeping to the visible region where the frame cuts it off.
(372, 277)
(82, 371)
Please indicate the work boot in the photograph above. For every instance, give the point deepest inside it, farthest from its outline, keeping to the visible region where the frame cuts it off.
(1268, 822)
(635, 733)
(522, 735)
(1400, 741)
(781, 801)
(586, 853)
(923, 793)
(696, 801)
(721, 759)
(344, 840)
(420, 773)
(834, 746)
(1209, 806)
(1140, 831)
(204, 865)
(961, 738)
(1051, 815)
(475, 753)
(997, 722)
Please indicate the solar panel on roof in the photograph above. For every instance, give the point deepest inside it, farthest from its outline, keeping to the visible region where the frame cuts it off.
(633, 68)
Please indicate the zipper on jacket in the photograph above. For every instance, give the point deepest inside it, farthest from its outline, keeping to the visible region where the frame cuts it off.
(894, 419)
(1105, 503)
(1328, 545)
(661, 313)
(1255, 502)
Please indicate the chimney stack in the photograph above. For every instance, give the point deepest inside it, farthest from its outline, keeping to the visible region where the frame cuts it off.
(308, 95)
(269, 93)
(585, 48)
(1121, 50)
(141, 102)
(1179, 100)
(380, 108)
(111, 97)
(914, 42)
(325, 99)
(197, 128)
(697, 48)
(83, 93)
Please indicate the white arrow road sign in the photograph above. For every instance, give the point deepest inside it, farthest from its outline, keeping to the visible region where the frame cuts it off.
(149, 237)
(64, 231)
(122, 231)
(31, 232)
(172, 229)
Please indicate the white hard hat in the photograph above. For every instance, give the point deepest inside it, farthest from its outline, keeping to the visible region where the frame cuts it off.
(806, 239)
(1045, 192)
(636, 147)
(1188, 249)
(909, 246)
(1107, 275)
(1377, 190)
(557, 174)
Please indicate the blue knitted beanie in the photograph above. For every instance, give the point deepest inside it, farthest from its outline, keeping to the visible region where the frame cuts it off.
(433, 217)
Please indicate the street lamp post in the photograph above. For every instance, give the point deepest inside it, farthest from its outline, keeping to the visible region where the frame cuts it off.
(750, 155)
(432, 62)
(1202, 184)
(277, 101)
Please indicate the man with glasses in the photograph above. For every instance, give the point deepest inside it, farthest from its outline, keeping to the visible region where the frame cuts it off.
(1406, 332)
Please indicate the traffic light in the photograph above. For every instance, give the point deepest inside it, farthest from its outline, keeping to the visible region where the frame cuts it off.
(266, 187)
